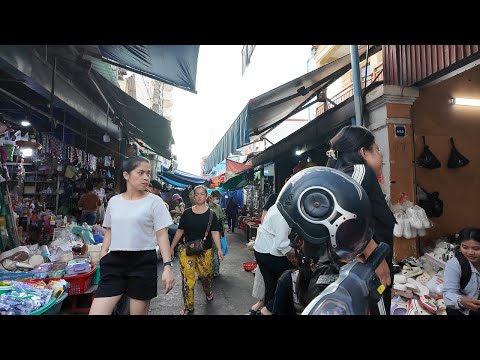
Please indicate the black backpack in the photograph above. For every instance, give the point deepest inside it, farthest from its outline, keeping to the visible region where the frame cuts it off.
(466, 269)
(323, 276)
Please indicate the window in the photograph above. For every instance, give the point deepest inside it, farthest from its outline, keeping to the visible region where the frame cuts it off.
(366, 71)
(247, 52)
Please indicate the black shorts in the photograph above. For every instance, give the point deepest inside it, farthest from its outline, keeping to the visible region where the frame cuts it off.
(133, 273)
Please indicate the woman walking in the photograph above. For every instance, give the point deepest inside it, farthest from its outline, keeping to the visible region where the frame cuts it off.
(135, 221)
(194, 224)
(214, 205)
(354, 151)
(232, 212)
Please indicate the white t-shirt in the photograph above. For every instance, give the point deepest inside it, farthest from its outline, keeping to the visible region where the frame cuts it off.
(134, 223)
(272, 235)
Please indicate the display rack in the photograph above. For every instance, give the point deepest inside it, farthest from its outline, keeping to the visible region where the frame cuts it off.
(10, 222)
(36, 181)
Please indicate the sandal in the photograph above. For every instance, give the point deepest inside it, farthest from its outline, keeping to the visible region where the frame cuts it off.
(253, 312)
(399, 306)
(187, 311)
(209, 298)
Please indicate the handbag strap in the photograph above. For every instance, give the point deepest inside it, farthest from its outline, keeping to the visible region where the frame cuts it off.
(210, 219)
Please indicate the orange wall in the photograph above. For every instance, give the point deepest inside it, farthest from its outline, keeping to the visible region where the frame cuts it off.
(401, 175)
(435, 117)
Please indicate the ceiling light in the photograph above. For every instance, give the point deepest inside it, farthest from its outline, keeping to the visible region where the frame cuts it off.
(25, 123)
(466, 102)
(27, 152)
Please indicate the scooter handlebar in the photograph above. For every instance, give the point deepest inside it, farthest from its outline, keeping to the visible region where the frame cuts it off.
(378, 255)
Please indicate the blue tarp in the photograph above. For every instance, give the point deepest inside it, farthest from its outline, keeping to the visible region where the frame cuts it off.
(180, 177)
(237, 195)
(235, 137)
(172, 64)
(174, 183)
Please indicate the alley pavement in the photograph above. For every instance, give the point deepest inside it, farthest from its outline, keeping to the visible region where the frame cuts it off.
(232, 290)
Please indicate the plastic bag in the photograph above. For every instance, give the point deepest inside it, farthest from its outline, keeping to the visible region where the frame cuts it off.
(415, 221)
(398, 228)
(435, 285)
(224, 244)
(423, 217)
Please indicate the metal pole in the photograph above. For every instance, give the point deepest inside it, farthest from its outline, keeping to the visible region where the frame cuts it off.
(357, 87)
(52, 92)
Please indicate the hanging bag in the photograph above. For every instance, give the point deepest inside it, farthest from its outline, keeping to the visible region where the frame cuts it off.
(426, 159)
(224, 244)
(432, 204)
(456, 159)
(197, 247)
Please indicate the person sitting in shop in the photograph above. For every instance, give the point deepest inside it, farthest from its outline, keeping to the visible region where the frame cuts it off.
(461, 289)
(88, 204)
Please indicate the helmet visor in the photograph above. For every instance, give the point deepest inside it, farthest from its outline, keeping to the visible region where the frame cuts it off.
(352, 237)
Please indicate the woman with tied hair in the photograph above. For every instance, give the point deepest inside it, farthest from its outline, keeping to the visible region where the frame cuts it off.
(179, 208)
(214, 205)
(353, 151)
(464, 299)
(135, 221)
(193, 224)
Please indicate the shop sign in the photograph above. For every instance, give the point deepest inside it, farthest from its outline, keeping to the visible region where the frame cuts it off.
(400, 131)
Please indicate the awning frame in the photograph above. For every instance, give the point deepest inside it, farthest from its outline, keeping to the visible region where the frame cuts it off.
(257, 128)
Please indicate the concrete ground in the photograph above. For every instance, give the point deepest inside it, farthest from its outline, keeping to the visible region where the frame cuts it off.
(232, 289)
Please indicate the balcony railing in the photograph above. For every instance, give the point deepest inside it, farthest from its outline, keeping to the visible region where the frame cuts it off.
(346, 93)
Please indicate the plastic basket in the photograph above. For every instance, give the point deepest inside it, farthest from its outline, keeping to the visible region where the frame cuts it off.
(55, 309)
(79, 283)
(12, 275)
(44, 308)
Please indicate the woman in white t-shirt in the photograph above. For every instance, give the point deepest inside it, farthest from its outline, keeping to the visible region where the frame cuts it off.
(135, 221)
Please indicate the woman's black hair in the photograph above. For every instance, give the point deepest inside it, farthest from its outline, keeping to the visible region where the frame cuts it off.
(128, 165)
(200, 187)
(469, 233)
(346, 144)
(99, 181)
(216, 194)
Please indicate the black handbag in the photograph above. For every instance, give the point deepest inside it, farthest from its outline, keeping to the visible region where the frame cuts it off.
(197, 247)
(456, 159)
(426, 159)
(430, 202)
